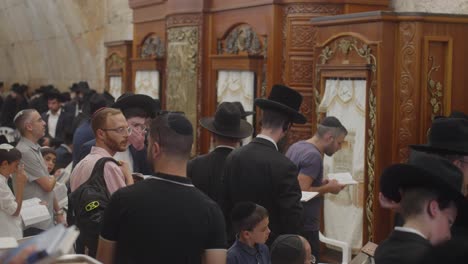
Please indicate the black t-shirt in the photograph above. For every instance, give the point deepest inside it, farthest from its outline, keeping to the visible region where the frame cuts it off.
(164, 219)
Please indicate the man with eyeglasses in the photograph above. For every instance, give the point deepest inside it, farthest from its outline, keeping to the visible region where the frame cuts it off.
(137, 109)
(111, 131)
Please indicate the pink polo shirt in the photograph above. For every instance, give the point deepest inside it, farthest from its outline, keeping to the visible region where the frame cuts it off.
(113, 175)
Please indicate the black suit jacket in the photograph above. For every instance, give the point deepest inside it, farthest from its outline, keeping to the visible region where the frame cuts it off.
(140, 162)
(257, 172)
(402, 248)
(206, 172)
(63, 124)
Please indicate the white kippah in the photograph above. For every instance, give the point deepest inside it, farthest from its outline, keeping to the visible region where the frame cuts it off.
(6, 147)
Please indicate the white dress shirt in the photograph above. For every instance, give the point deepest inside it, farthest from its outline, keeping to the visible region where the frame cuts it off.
(10, 226)
(52, 122)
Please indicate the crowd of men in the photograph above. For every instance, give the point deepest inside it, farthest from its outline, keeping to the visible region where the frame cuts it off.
(239, 203)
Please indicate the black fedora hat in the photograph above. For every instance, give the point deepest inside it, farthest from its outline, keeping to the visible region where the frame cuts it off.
(423, 171)
(130, 100)
(227, 122)
(244, 113)
(448, 136)
(284, 99)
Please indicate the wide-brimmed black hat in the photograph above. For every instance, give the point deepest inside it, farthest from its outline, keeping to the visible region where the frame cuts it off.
(227, 122)
(284, 99)
(54, 93)
(244, 113)
(19, 88)
(447, 136)
(130, 100)
(423, 171)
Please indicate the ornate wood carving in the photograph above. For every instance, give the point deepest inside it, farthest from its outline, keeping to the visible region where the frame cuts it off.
(182, 71)
(435, 90)
(115, 62)
(406, 107)
(303, 36)
(241, 39)
(341, 48)
(301, 72)
(184, 20)
(297, 32)
(152, 47)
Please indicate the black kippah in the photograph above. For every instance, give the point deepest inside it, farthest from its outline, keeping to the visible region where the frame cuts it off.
(180, 124)
(242, 210)
(331, 121)
(287, 249)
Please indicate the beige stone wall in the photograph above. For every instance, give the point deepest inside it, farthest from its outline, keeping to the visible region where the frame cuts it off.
(431, 6)
(59, 41)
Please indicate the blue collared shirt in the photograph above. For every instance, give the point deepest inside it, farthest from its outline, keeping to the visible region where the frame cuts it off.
(241, 253)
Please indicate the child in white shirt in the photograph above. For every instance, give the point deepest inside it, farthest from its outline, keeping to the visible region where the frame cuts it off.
(10, 205)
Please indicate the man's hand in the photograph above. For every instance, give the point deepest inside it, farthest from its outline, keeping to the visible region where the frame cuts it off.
(334, 187)
(21, 178)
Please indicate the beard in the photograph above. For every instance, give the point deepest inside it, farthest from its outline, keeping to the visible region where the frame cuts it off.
(116, 145)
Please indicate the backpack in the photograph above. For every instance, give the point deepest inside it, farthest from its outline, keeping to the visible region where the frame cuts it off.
(89, 200)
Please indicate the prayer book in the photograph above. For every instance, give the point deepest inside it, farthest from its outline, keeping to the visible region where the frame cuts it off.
(49, 245)
(32, 212)
(343, 178)
(60, 191)
(7, 243)
(307, 196)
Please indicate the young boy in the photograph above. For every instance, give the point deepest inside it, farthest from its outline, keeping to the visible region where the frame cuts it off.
(250, 221)
(50, 158)
(10, 206)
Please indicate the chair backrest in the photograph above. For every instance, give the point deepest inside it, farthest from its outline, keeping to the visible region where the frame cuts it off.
(8, 132)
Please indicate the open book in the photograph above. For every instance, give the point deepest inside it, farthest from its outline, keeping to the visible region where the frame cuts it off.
(307, 196)
(343, 178)
(32, 212)
(49, 244)
(60, 191)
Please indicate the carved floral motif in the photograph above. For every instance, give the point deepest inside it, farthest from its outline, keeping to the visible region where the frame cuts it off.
(435, 90)
(115, 62)
(241, 39)
(406, 108)
(152, 47)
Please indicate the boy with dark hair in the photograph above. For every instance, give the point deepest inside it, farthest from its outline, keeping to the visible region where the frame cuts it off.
(250, 222)
(10, 205)
(429, 187)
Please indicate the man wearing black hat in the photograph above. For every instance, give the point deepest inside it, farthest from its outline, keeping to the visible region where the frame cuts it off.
(164, 219)
(58, 122)
(137, 109)
(307, 155)
(227, 129)
(448, 138)
(259, 173)
(16, 101)
(429, 187)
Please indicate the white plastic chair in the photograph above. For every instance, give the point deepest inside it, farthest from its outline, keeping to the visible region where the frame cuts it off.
(8, 132)
(345, 248)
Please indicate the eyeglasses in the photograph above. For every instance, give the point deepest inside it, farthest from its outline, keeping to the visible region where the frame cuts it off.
(119, 130)
(140, 127)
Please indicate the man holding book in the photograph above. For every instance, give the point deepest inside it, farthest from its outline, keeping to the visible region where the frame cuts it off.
(308, 157)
